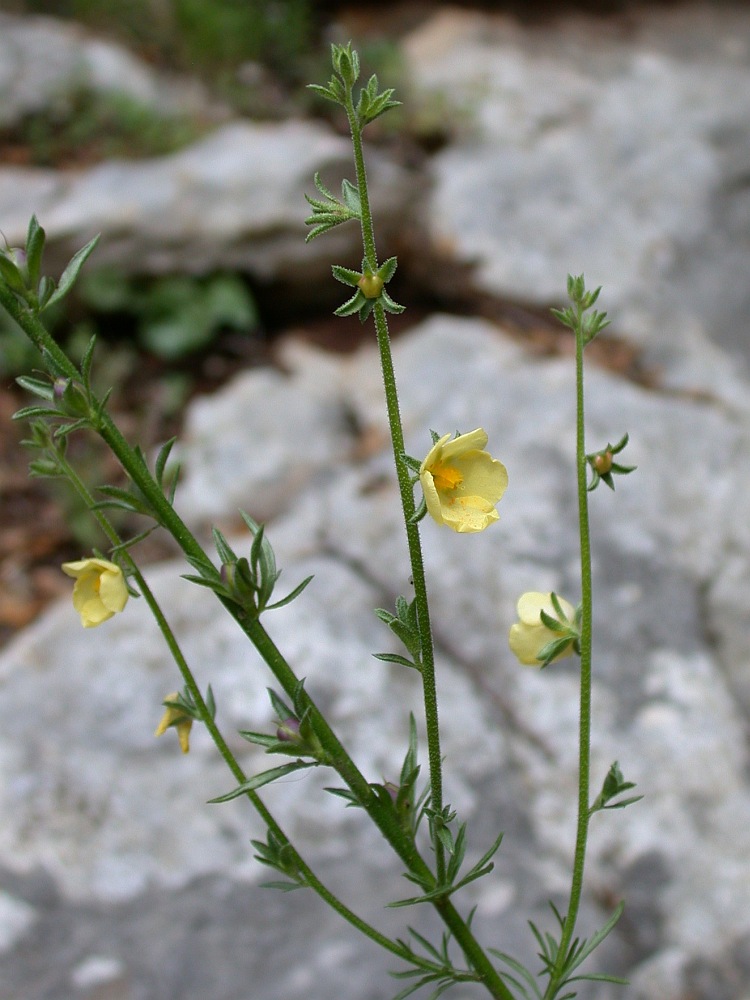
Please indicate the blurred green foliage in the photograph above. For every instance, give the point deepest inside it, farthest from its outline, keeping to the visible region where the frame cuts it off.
(170, 317)
(200, 35)
(88, 125)
(175, 315)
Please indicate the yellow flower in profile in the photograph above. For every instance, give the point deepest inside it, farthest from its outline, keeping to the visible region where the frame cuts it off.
(462, 482)
(177, 718)
(100, 590)
(530, 636)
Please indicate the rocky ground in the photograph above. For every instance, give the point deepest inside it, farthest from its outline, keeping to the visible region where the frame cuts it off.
(614, 146)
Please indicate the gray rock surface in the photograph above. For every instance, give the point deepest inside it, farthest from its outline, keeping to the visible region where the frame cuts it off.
(139, 889)
(618, 148)
(233, 200)
(44, 61)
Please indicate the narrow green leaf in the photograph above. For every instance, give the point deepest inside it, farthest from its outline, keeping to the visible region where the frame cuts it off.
(264, 778)
(345, 275)
(36, 386)
(351, 305)
(12, 277)
(283, 886)
(597, 938)
(86, 362)
(27, 412)
(162, 458)
(395, 658)
(290, 596)
(70, 273)
(280, 707)
(46, 289)
(387, 269)
(35, 238)
(223, 548)
(350, 196)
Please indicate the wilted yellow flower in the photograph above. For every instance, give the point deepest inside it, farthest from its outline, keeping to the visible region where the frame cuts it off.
(529, 636)
(462, 483)
(100, 590)
(177, 718)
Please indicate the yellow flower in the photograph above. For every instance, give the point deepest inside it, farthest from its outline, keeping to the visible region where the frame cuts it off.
(462, 483)
(100, 590)
(529, 636)
(177, 718)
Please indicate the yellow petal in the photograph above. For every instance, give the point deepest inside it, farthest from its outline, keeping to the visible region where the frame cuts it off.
(431, 496)
(434, 455)
(524, 644)
(100, 590)
(473, 441)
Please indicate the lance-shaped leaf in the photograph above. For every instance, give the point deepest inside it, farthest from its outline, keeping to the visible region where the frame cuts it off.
(69, 275)
(264, 778)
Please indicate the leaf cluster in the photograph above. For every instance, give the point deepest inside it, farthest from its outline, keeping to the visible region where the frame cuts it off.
(330, 211)
(371, 103)
(405, 626)
(295, 736)
(583, 300)
(457, 854)
(21, 271)
(559, 968)
(278, 853)
(436, 969)
(247, 581)
(614, 784)
(404, 798)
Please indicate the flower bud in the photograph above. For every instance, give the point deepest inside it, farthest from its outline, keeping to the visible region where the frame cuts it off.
(371, 285)
(176, 717)
(60, 387)
(346, 63)
(288, 731)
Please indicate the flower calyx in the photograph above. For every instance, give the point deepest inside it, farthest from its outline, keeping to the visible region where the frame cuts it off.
(603, 466)
(370, 285)
(295, 735)
(548, 629)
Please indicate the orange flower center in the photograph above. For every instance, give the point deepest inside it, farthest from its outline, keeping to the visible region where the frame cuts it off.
(445, 477)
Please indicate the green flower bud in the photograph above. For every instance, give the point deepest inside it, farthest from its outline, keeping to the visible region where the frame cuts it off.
(371, 285)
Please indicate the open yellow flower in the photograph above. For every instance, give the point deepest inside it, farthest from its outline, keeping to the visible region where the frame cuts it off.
(177, 718)
(529, 636)
(100, 590)
(462, 482)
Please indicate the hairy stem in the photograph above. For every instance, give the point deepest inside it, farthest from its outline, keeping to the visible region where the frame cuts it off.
(584, 730)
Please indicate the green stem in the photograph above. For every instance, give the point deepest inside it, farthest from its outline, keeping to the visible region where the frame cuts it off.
(584, 730)
(460, 930)
(406, 490)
